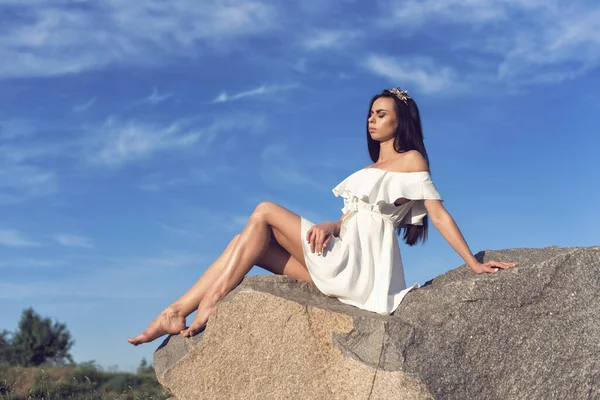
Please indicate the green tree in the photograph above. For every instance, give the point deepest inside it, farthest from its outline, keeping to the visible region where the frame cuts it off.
(144, 368)
(5, 347)
(39, 340)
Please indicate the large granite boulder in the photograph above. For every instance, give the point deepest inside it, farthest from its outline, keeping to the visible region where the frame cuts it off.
(531, 332)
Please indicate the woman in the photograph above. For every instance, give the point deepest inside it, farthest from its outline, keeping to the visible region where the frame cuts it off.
(356, 259)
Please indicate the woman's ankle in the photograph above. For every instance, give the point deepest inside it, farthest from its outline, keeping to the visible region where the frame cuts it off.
(173, 310)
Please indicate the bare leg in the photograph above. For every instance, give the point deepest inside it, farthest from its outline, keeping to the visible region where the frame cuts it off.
(252, 244)
(172, 319)
(282, 256)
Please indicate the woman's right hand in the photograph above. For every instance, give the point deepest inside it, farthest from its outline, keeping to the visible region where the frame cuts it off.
(491, 266)
(319, 236)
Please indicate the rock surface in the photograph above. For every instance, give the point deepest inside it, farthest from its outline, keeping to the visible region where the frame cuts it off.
(531, 332)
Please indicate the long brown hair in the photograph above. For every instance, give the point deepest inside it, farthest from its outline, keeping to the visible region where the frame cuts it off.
(408, 136)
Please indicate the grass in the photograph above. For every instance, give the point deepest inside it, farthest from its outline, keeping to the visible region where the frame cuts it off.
(85, 381)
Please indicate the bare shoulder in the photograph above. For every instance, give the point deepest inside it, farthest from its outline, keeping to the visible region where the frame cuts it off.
(412, 161)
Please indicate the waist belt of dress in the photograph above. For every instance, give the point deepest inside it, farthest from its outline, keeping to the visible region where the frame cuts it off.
(354, 208)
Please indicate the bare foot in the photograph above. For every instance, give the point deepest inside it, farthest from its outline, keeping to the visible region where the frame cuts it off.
(168, 321)
(204, 311)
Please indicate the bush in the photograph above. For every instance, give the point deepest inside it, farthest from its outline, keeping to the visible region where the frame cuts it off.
(61, 390)
(11, 379)
(91, 373)
(122, 382)
(87, 381)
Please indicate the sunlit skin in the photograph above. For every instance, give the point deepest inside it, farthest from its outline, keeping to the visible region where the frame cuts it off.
(271, 240)
(382, 118)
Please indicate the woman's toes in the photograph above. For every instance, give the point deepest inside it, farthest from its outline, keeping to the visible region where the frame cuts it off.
(139, 339)
(189, 332)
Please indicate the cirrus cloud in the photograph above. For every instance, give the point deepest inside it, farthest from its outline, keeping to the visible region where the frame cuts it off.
(70, 240)
(54, 37)
(13, 238)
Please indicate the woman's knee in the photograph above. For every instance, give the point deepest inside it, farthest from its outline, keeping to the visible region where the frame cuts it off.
(261, 212)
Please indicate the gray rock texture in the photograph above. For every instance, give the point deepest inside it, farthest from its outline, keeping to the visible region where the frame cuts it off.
(530, 332)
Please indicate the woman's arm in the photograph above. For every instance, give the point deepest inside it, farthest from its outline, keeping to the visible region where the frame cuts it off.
(334, 227)
(445, 224)
(316, 237)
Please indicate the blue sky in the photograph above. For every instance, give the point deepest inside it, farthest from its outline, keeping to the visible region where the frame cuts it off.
(136, 138)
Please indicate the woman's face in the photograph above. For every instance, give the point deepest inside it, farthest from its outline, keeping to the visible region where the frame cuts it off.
(382, 122)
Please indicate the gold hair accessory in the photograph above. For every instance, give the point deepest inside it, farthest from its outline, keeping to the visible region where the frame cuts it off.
(400, 94)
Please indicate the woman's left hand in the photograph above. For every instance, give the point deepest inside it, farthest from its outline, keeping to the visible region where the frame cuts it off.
(491, 266)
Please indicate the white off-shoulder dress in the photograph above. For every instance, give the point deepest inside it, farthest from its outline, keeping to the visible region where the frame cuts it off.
(363, 267)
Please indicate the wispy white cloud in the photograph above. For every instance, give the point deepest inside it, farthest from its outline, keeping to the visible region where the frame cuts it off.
(134, 263)
(186, 233)
(117, 143)
(531, 41)
(254, 124)
(290, 176)
(259, 91)
(18, 153)
(273, 151)
(54, 38)
(194, 176)
(300, 65)
(155, 97)
(22, 182)
(73, 289)
(13, 238)
(330, 38)
(15, 128)
(158, 181)
(421, 72)
(234, 224)
(281, 169)
(411, 13)
(84, 106)
(70, 240)
(24, 263)
(104, 278)
(222, 222)
(566, 47)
